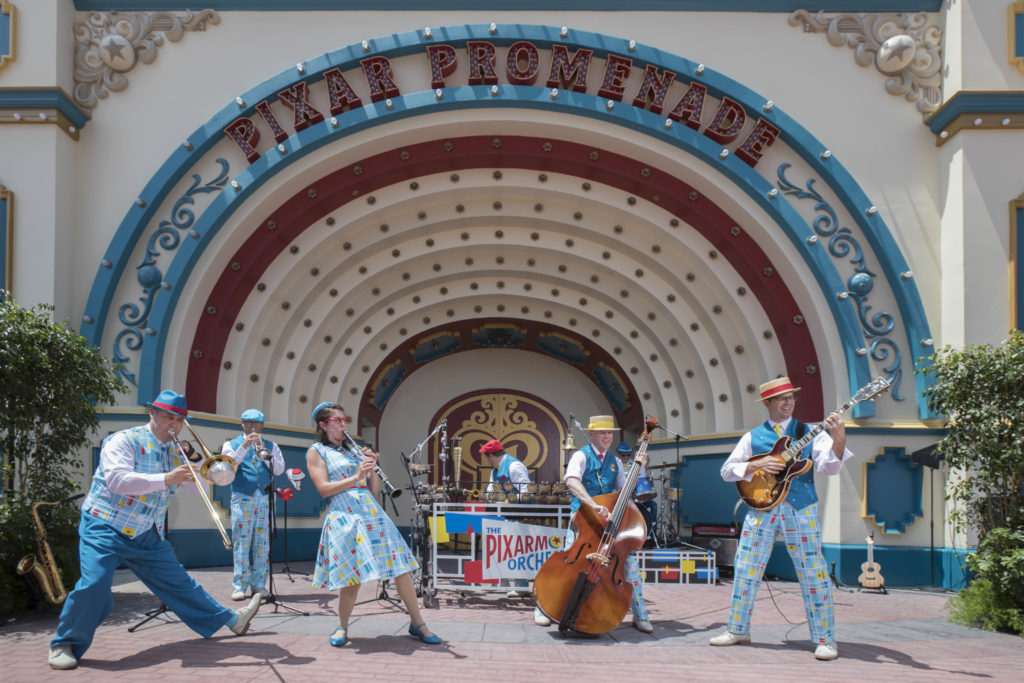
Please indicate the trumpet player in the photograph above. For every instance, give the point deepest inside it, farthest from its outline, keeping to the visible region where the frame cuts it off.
(259, 461)
(359, 543)
(123, 522)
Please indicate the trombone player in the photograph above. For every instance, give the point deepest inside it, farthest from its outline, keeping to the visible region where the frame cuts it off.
(123, 521)
(257, 459)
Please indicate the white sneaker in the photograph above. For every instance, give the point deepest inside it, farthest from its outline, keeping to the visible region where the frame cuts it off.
(238, 595)
(642, 625)
(245, 615)
(61, 658)
(540, 619)
(729, 638)
(826, 652)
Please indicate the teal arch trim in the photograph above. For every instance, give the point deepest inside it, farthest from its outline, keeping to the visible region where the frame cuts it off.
(464, 97)
(522, 5)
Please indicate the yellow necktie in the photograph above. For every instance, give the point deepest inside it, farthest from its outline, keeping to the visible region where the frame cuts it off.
(778, 429)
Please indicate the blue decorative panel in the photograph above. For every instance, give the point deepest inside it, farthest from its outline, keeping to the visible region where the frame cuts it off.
(6, 33)
(1017, 35)
(499, 335)
(435, 346)
(6, 238)
(563, 348)
(893, 490)
(704, 498)
(612, 387)
(386, 382)
(306, 502)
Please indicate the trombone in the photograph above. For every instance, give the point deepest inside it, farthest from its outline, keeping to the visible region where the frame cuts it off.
(219, 470)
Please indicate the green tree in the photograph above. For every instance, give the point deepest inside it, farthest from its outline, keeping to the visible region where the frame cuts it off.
(51, 380)
(981, 391)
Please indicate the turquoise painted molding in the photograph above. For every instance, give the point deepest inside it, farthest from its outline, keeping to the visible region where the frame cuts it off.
(1017, 256)
(43, 98)
(967, 103)
(760, 189)
(893, 488)
(8, 33)
(6, 239)
(1016, 26)
(520, 5)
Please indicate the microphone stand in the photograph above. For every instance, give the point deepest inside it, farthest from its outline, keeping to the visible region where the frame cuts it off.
(271, 598)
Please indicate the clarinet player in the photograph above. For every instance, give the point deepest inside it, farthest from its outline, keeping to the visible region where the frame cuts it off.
(359, 542)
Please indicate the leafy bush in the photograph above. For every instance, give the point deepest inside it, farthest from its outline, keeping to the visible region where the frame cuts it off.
(995, 598)
(50, 382)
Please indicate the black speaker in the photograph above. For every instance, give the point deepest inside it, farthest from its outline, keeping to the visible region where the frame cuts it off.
(722, 539)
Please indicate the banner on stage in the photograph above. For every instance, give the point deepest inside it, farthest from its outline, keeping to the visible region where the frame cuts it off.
(513, 550)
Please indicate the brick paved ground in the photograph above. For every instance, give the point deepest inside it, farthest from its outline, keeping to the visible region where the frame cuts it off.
(900, 636)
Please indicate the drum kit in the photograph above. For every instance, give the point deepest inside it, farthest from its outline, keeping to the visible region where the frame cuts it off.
(661, 531)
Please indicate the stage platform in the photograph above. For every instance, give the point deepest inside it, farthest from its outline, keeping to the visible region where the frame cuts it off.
(902, 636)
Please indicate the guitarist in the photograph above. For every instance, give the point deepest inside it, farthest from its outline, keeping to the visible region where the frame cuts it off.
(796, 516)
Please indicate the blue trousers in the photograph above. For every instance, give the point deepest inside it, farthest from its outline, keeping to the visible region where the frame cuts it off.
(152, 558)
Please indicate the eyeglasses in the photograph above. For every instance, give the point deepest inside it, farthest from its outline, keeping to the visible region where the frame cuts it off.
(784, 399)
(340, 420)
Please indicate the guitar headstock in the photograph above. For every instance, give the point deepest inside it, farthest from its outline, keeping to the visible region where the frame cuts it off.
(871, 389)
(871, 538)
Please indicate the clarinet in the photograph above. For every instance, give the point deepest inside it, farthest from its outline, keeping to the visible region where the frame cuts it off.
(389, 489)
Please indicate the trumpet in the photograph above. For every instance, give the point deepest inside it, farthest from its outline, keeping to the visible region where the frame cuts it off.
(262, 452)
(219, 470)
(389, 489)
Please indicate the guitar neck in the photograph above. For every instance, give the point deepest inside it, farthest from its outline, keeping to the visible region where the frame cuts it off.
(798, 445)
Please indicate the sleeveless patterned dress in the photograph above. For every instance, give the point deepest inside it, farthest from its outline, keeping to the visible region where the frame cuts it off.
(359, 542)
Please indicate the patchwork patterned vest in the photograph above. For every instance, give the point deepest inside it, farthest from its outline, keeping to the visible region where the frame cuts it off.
(134, 514)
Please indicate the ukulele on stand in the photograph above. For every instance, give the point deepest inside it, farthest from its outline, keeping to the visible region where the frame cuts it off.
(870, 571)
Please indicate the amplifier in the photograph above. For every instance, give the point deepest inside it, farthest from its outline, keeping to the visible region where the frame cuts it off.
(722, 539)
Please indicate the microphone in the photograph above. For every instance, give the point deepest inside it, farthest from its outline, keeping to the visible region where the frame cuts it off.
(295, 476)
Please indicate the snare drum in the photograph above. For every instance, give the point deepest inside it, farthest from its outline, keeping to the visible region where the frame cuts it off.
(644, 490)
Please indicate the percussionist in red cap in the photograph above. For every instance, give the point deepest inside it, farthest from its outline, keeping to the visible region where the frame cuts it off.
(507, 474)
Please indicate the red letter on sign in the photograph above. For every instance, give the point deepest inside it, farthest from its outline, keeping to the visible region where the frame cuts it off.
(298, 99)
(525, 54)
(616, 70)
(728, 121)
(379, 76)
(341, 93)
(442, 63)
(762, 136)
(691, 106)
(264, 109)
(653, 89)
(243, 132)
(565, 71)
(481, 63)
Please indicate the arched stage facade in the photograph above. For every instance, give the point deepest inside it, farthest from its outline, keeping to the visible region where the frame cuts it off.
(589, 221)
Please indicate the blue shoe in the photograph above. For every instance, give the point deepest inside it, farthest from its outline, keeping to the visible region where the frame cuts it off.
(339, 637)
(429, 640)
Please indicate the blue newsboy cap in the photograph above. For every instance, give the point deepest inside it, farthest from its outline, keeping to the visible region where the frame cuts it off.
(170, 401)
(253, 415)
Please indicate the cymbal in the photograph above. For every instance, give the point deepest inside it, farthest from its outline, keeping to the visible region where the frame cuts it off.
(419, 468)
(662, 465)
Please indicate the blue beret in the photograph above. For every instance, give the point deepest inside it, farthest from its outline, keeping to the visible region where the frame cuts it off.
(253, 415)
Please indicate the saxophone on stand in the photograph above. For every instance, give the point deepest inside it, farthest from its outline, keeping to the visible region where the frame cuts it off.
(43, 570)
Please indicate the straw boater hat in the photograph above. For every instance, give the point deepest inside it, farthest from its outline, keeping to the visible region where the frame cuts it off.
(777, 387)
(601, 423)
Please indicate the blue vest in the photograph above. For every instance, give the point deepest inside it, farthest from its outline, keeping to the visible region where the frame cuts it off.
(133, 514)
(598, 477)
(503, 473)
(252, 474)
(801, 489)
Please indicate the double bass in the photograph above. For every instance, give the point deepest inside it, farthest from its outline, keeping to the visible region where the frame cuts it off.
(584, 589)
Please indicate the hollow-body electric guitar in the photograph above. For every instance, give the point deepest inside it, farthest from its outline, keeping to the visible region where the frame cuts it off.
(766, 491)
